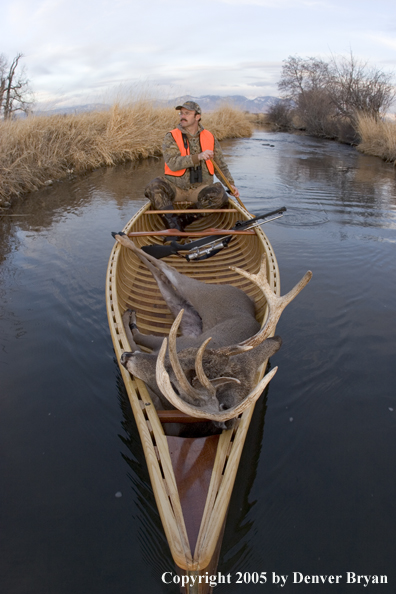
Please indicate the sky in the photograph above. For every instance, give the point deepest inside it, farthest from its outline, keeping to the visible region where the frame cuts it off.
(84, 51)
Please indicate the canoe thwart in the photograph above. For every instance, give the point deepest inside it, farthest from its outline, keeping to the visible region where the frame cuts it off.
(177, 233)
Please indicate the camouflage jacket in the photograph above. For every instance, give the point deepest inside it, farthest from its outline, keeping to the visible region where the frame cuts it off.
(176, 162)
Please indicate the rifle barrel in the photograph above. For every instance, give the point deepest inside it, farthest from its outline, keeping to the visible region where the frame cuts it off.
(262, 216)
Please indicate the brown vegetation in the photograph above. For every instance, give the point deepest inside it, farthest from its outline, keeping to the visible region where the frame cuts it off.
(378, 137)
(38, 149)
(325, 98)
(228, 122)
(280, 116)
(258, 119)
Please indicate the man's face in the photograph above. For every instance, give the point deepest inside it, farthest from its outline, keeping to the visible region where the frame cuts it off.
(188, 117)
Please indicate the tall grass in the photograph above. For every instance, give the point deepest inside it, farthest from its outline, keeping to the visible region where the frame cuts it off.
(378, 138)
(38, 149)
(228, 122)
(258, 119)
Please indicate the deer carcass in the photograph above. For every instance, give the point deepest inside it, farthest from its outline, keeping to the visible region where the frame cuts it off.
(216, 383)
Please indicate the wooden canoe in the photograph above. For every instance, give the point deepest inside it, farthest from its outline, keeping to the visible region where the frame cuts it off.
(192, 478)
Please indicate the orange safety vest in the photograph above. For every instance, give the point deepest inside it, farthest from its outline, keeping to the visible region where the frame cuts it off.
(206, 140)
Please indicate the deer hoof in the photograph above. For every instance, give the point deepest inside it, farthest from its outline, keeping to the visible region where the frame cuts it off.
(129, 318)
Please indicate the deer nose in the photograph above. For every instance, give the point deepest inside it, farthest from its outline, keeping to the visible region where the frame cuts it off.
(125, 358)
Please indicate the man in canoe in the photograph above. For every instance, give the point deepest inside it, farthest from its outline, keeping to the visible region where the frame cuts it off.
(188, 176)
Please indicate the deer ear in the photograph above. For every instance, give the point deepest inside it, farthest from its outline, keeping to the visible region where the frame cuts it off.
(221, 381)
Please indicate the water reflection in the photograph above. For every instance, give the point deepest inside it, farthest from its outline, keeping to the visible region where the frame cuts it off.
(314, 492)
(338, 182)
(238, 549)
(37, 211)
(151, 536)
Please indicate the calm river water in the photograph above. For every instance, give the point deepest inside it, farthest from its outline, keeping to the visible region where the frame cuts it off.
(316, 488)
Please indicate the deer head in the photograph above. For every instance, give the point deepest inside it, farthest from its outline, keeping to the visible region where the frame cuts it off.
(205, 389)
(220, 383)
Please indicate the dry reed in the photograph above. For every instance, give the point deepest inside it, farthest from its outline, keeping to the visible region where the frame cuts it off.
(41, 149)
(228, 122)
(259, 119)
(378, 138)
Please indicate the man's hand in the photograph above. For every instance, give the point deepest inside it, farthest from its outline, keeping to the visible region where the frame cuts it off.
(205, 155)
(235, 191)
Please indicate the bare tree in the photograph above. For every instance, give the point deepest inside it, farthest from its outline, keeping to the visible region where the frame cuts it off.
(15, 94)
(326, 94)
(3, 68)
(304, 82)
(354, 88)
(279, 115)
(301, 75)
(315, 109)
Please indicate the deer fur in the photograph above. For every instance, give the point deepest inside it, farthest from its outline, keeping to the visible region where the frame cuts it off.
(220, 314)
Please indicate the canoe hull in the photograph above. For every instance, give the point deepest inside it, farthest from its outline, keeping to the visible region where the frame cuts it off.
(194, 538)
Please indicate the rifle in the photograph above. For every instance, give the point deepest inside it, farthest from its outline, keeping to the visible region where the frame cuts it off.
(204, 248)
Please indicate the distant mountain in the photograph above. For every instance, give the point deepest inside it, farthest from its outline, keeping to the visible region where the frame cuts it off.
(207, 103)
(212, 102)
(74, 109)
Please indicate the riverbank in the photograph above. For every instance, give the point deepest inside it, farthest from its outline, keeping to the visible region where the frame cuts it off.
(372, 136)
(377, 138)
(39, 150)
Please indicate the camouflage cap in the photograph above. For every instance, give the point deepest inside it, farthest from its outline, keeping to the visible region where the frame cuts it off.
(190, 105)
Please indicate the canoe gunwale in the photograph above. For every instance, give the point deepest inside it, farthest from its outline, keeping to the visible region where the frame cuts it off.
(154, 441)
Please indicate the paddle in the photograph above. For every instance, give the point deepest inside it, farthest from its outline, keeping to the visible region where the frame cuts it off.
(227, 183)
(208, 246)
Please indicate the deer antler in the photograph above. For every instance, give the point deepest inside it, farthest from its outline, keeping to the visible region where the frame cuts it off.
(184, 384)
(276, 306)
(200, 371)
(208, 411)
(191, 393)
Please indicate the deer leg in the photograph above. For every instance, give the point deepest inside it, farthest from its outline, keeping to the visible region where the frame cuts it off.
(192, 325)
(148, 340)
(169, 282)
(126, 320)
(135, 337)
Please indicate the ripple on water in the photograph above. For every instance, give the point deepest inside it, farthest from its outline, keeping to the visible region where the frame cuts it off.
(299, 217)
(312, 478)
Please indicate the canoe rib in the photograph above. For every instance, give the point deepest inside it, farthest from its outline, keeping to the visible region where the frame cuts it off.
(154, 317)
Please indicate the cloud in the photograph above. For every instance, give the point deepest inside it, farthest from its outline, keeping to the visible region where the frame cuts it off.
(385, 41)
(279, 4)
(260, 83)
(84, 47)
